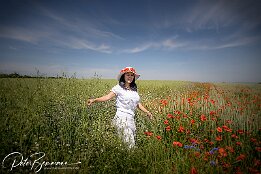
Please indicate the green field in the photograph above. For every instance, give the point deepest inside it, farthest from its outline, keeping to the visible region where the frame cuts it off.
(197, 127)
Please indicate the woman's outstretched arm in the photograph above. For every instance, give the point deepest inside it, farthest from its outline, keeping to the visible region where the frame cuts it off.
(142, 108)
(101, 99)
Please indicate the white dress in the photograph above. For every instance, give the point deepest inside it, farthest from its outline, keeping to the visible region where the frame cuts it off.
(126, 103)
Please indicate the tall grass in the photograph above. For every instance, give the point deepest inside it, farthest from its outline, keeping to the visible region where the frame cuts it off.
(50, 116)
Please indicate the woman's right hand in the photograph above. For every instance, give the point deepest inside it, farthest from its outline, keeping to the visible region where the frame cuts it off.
(90, 101)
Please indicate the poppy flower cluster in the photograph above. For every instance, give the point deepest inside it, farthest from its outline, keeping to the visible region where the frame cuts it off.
(210, 123)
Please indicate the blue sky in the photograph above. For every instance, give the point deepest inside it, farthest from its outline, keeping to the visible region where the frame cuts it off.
(193, 40)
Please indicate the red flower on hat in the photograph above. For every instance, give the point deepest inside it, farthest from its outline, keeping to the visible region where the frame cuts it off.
(128, 69)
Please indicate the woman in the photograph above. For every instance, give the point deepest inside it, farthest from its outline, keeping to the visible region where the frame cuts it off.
(127, 100)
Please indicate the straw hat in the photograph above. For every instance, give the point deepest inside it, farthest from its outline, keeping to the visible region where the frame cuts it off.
(128, 69)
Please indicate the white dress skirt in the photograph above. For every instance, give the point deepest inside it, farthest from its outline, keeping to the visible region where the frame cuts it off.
(125, 126)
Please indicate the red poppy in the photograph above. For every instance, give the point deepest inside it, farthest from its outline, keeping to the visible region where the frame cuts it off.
(238, 143)
(192, 121)
(212, 101)
(214, 119)
(227, 128)
(226, 165)
(197, 154)
(257, 162)
(219, 129)
(203, 117)
(230, 149)
(211, 143)
(193, 170)
(176, 143)
(166, 122)
(229, 121)
(168, 128)
(164, 102)
(194, 141)
(218, 138)
(170, 116)
(181, 129)
(222, 152)
(258, 149)
(177, 112)
(240, 131)
(234, 136)
(212, 113)
(241, 157)
(149, 134)
(253, 140)
(158, 137)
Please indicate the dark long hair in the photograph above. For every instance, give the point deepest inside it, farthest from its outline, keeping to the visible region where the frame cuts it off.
(133, 85)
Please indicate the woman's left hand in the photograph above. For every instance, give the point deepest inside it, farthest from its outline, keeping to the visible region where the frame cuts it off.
(150, 115)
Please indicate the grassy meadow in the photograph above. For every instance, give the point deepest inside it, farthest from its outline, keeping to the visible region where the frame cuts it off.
(197, 127)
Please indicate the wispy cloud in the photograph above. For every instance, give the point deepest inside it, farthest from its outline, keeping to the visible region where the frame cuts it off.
(85, 27)
(76, 43)
(200, 44)
(22, 34)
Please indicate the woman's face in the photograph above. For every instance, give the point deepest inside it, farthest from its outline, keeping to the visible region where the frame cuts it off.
(128, 77)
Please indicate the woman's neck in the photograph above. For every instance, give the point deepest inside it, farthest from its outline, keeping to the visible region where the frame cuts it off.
(127, 85)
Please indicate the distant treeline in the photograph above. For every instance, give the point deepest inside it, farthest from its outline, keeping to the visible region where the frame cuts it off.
(16, 75)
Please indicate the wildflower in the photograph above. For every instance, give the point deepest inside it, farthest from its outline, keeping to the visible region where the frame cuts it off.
(192, 121)
(241, 157)
(218, 138)
(212, 163)
(168, 128)
(194, 141)
(213, 150)
(227, 128)
(253, 140)
(193, 170)
(212, 101)
(258, 149)
(229, 121)
(222, 152)
(214, 119)
(203, 117)
(230, 149)
(177, 112)
(181, 129)
(240, 131)
(234, 136)
(197, 154)
(238, 143)
(158, 137)
(226, 165)
(212, 113)
(176, 143)
(166, 122)
(190, 147)
(187, 147)
(164, 102)
(211, 143)
(187, 131)
(149, 134)
(257, 162)
(253, 170)
(219, 129)
(170, 116)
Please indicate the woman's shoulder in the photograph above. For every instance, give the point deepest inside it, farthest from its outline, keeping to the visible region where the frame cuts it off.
(116, 88)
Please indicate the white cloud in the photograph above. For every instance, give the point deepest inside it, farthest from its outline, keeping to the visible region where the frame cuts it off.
(19, 33)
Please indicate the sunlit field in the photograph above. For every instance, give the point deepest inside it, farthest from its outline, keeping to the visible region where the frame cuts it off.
(197, 127)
